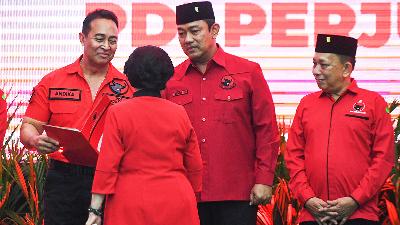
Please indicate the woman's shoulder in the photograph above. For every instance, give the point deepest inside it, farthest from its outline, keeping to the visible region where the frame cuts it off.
(172, 106)
(157, 104)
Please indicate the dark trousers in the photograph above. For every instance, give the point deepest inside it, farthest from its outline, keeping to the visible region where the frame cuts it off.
(67, 194)
(227, 213)
(349, 222)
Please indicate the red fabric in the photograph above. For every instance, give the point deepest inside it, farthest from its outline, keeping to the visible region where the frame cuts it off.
(72, 106)
(235, 123)
(336, 151)
(149, 165)
(3, 117)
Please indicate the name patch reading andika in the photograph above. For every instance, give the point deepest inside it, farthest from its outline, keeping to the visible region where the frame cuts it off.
(65, 94)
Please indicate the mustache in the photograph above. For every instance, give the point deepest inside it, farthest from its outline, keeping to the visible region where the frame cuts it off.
(190, 46)
(106, 52)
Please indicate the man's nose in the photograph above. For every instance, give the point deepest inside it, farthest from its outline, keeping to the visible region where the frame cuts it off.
(188, 38)
(316, 70)
(105, 45)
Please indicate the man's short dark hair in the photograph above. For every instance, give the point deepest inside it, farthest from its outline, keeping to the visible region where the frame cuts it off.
(344, 58)
(149, 67)
(97, 14)
(209, 22)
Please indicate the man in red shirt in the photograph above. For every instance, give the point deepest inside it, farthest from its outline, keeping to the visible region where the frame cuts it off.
(341, 146)
(65, 97)
(231, 109)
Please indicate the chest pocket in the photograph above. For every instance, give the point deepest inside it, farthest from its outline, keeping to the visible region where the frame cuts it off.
(229, 104)
(180, 97)
(361, 125)
(64, 112)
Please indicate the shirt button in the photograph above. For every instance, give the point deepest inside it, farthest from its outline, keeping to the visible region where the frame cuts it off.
(203, 119)
(203, 98)
(204, 78)
(229, 97)
(203, 140)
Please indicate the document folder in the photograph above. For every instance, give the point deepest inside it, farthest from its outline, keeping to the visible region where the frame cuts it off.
(73, 144)
(80, 146)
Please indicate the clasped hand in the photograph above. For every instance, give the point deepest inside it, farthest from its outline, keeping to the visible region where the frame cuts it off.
(335, 212)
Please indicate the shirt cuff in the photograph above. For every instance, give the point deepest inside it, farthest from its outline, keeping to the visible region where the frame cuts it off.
(359, 197)
(266, 178)
(104, 182)
(305, 195)
(358, 204)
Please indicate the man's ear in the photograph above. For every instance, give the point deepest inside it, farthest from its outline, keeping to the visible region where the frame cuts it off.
(214, 30)
(81, 38)
(347, 69)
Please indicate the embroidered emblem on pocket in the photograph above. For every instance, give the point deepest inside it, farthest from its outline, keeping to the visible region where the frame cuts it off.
(118, 86)
(358, 107)
(227, 82)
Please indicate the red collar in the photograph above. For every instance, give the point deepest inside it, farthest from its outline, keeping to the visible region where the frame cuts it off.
(75, 68)
(352, 88)
(218, 58)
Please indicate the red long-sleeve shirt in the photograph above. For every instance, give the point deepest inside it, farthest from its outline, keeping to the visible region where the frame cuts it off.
(342, 148)
(149, 165)
(63, 98)
(232, 112)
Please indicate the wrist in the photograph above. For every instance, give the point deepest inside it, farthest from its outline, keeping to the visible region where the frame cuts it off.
(307, 202)
(97, 212)
(355, 201)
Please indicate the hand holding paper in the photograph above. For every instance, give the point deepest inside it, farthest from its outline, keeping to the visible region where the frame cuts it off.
(80, 146)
